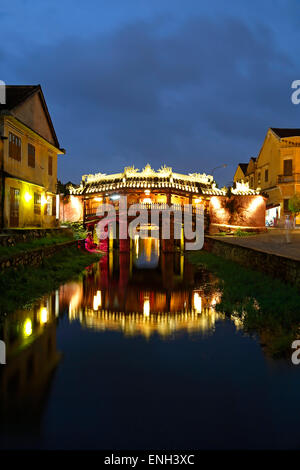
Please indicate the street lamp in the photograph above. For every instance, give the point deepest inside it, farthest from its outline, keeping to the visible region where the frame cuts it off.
(217, 167)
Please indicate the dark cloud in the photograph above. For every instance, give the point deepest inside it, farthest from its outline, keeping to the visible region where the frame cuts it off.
(192, 96)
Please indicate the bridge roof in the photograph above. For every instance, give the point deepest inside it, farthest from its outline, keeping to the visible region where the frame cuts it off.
(132, 178)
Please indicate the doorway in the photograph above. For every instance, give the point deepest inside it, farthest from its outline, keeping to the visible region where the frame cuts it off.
(14, 207)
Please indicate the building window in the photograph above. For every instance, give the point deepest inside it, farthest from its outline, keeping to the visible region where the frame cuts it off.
(288, 167)
(50, 161)
(286, 205)
(258, 177)
(251, 182)
(37, 203)
(48, 206)
(31, 156)
(266, 176)
(14, 148)
(54, 205)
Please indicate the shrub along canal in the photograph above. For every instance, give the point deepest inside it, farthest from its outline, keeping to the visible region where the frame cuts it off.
(144, 350)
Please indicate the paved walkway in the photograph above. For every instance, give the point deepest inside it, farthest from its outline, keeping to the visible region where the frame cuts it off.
(274, 241)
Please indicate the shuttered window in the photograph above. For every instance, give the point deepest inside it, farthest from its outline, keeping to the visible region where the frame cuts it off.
(288, 167)
(258, 178)
(54, 205)
(286, 205)
(266, 175)
(14, 147)
(50, 164)
(31, 156)
(37, 203)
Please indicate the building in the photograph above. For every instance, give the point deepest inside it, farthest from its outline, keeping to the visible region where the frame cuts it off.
(147, 186)
(240, 174)
(28, 160)
(276, 171)
(158, 190)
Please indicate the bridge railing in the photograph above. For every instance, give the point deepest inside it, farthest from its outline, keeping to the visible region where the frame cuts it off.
(92, 211)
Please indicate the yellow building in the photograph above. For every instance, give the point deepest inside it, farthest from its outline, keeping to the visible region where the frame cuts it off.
(28, 160)
(276, 171)
(240, 173)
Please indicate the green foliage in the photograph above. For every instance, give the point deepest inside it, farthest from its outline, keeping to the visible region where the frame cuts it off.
(49, 240)
(23, 286)
(79, 232)
(294, 204)
(243, 233)
(264, 304)
(221, 234)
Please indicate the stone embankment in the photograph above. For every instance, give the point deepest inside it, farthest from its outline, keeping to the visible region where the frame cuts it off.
(278, 266)
(31, 256)
(12, 237)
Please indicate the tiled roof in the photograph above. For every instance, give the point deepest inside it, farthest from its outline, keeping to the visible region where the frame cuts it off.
(16, 94)
(243, 167)
(286, 132)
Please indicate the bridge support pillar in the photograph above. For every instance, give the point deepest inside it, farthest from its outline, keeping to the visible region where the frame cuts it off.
(124, 245)
(103, 245)
(168, 245)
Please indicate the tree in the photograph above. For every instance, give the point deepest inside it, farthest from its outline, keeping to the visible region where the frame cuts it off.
(294, 205)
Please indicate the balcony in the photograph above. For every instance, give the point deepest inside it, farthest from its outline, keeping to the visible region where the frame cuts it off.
(283, 179)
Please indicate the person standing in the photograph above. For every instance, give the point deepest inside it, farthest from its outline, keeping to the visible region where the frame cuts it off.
(287, 225)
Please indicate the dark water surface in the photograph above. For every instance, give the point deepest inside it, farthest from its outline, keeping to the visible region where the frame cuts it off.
(134, 356)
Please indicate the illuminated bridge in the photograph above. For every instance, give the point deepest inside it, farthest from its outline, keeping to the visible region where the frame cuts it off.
(160, 190)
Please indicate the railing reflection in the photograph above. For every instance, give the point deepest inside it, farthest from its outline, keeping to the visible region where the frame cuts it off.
(146, 324)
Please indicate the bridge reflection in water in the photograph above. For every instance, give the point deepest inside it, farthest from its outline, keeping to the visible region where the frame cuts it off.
(119, 293)
(122, 293)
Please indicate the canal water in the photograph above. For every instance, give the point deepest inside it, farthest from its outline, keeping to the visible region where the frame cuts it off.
(133, 355)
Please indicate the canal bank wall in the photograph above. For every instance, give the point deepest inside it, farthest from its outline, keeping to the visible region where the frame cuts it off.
(282, 267)
(33, 257)
(11, 237)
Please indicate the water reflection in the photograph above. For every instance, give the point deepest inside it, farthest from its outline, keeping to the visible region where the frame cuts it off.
(134, 335)
(31, 357)
(120, 293)
(146, 252)
(117, 294)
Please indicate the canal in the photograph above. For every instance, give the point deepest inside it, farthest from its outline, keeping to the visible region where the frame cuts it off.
(134, 355)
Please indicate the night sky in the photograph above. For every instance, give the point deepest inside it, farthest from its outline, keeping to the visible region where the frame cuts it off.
(187, 83)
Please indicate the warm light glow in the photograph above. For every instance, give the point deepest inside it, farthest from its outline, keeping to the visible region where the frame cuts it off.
(114, 197)
(28, 327)
(215, 202)
(27, 197)
(99, 297)
(75, 202)
(43, 315)
(97, 300)
(147, 192)
(215, 300)
(75, 302)
(147, 200)
(197, 302)
(43, 200)
(198, 200)
(255, 203)
(98, 199)
(146, 309)
(242, 187)
(164, 324)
